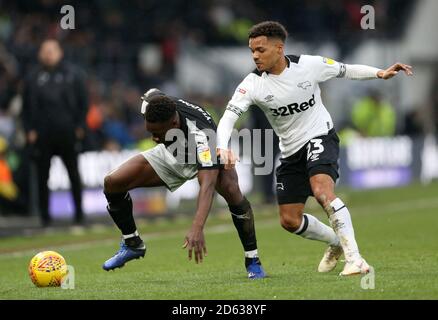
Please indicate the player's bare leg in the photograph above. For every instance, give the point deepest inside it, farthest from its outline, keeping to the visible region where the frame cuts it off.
(294, 220)
(135, 172)
(340, 219)
(243, 219)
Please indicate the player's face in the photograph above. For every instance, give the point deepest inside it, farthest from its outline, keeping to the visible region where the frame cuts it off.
(265, 52)
(159, 129)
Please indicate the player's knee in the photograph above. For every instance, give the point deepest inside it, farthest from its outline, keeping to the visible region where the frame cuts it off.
(109, 184)
(291, 222)
(230, 188)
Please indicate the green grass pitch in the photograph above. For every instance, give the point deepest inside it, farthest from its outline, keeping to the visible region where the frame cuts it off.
(397, 231)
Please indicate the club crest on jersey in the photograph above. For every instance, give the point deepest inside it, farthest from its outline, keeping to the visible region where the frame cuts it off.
(328, 61)
(269, 98)
(205, 156)
(304, 85)
(280, 186)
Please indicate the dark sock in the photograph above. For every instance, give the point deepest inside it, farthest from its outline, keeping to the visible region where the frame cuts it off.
(243, 220)
(134, 242)
(248, 261)
(120, 209)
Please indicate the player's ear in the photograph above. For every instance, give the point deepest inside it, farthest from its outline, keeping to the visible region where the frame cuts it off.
(280, 47)
(175, 123)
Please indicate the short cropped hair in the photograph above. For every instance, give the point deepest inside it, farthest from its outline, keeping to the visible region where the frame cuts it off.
(160, 109)
(270, 29)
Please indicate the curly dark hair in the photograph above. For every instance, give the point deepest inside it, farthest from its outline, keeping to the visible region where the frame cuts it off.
(270, 29)
(160, 109)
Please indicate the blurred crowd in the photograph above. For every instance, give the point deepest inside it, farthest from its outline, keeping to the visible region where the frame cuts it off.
(126, 47)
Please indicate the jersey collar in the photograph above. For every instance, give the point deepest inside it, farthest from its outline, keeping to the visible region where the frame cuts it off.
(288, 62)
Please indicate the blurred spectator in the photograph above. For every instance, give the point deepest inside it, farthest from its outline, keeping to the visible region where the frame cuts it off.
(8, 189)
(434, 102)
(373, 117)
(115, 128)
(413, 123)
(8, 77)
(347, 135)
(54, 108)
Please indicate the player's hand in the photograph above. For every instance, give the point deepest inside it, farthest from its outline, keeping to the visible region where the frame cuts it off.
(32, 137)
(195, 242)
(227, 157)
(393, 70)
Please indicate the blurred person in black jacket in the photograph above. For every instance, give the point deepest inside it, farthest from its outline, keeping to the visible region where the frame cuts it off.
(54, 112)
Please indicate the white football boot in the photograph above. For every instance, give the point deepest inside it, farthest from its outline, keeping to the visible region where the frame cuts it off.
(330, 258)
(358, 266)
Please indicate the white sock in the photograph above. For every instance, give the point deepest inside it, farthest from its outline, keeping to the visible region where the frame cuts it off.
(312, 228)
(340, 220)
(251, 254)
(127, 236)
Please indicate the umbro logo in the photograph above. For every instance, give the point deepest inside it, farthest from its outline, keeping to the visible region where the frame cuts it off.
(304, 85)
(269, 98)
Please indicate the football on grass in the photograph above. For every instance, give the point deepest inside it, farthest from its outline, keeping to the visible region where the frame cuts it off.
(47, 269)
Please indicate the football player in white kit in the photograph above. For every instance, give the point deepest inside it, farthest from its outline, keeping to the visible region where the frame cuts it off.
(287, 89)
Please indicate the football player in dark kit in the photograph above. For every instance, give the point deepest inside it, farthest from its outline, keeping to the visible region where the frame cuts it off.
(160, 166)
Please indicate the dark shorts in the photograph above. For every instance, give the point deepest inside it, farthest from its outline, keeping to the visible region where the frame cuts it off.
(319, 155)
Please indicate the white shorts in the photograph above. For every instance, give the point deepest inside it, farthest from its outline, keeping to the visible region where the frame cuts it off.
(172, 173)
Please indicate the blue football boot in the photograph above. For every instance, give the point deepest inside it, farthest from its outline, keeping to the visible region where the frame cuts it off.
(254, 268)
(124, 255)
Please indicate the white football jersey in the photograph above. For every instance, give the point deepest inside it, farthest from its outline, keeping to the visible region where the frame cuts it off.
(291, 100)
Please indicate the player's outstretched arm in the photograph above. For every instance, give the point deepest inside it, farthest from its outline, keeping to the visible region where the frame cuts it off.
(393, 70)
(363, 72)
(194, 240)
